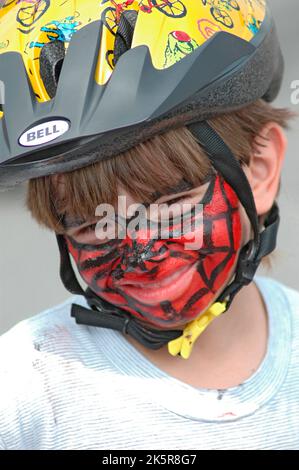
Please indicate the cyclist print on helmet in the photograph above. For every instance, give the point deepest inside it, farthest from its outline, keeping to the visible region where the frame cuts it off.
(220, 10)
(59, 30)
(27, 16)
(111, 15)
(34, 20)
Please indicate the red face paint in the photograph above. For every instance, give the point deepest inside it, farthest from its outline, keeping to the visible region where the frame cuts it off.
(158, 280)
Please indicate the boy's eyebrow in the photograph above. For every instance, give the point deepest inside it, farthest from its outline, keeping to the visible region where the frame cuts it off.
(182, 186)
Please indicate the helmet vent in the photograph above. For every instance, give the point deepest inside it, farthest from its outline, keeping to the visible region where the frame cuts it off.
(51, 60)
(125, 33)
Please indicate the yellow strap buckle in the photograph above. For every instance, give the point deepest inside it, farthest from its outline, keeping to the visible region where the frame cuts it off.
(184, 344)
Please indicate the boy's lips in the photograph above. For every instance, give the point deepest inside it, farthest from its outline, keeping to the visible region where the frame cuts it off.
(170, 288)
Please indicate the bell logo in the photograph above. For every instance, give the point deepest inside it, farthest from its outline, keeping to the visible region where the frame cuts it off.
(44, 133)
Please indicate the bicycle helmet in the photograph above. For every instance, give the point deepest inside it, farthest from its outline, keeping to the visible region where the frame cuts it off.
(84, 81)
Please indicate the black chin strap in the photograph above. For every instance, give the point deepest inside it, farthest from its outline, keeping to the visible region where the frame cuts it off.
(106, 315)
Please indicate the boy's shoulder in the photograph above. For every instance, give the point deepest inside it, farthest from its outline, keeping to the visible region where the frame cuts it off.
(41, 360)
(282, 303)
(21, 340)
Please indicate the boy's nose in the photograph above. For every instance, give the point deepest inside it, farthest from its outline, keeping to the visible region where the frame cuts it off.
(138, 257)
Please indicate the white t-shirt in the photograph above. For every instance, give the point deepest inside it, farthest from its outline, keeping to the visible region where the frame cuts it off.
(69, 386)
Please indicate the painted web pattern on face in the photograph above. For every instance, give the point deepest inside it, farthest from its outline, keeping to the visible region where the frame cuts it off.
(113, 270)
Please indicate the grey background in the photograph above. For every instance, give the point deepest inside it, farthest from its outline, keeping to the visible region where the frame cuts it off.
(29, 262)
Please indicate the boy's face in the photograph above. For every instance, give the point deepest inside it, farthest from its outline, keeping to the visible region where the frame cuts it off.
(165, 274)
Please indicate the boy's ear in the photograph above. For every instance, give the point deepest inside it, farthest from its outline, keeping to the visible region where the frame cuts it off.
(264, 169)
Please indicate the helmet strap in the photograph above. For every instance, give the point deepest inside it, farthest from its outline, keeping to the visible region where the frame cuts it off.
(264, 242)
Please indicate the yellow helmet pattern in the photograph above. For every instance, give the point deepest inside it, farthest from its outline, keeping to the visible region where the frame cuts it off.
(171, 29)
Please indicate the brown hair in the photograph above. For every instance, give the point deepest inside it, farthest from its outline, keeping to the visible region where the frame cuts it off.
(147, 168)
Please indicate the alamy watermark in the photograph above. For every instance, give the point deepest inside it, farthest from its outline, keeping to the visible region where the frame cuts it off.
(2, 93)
(295, 93)
(156, 221)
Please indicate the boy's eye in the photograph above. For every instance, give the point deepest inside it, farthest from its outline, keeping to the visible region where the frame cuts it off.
(88, 235)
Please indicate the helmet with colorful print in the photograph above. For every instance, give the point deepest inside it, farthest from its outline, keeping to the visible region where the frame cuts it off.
(86, 80)
(106, 75)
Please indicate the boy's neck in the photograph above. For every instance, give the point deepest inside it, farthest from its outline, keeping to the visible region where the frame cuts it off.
(228, 352)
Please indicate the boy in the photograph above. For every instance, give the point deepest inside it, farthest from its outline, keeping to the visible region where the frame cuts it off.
(173, 346)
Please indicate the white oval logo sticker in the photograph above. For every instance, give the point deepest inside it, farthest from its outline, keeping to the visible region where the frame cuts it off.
(43, 133)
